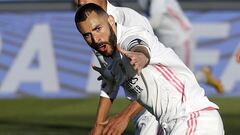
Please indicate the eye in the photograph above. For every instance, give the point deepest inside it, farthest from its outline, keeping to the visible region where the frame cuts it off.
(98, 29)
(86, 36)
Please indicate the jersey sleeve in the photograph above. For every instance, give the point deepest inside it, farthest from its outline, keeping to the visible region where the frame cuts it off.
(132, 41)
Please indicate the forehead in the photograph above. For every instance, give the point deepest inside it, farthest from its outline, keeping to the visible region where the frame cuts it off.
(93, 20)
(93, 16)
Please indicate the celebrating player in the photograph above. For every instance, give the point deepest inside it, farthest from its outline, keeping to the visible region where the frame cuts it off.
(165, 86)
(144, 121)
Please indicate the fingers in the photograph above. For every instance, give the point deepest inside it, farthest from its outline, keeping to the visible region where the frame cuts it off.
(100, 78)
(99, 70)
(112, 127)
(110, 130)
(107, 129)
(129, 54)
(121, 50)
(134, 60)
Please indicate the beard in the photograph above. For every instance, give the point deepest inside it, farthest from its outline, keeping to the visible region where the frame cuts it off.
(112, 41)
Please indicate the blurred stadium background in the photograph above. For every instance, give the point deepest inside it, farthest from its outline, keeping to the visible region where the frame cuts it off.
(47, 86)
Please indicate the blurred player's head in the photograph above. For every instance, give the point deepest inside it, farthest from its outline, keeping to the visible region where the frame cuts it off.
(97, 27)
(101, 3)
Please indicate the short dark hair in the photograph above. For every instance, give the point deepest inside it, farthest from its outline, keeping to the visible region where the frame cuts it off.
(81, 13)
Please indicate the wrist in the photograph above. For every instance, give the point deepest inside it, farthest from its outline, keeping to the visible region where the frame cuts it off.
(98, 125)
(101, 123)
(126, 115)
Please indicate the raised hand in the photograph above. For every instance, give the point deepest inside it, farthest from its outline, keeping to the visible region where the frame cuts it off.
(137, 59)
(109, 83)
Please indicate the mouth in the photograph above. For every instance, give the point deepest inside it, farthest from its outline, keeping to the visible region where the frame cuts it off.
(102, 48)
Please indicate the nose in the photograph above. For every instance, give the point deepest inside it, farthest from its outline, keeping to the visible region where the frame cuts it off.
(96, 38)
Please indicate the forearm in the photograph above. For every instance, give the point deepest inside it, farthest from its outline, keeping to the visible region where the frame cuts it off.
(103, 109)
(118, 123)
(142, 49)
(131, 110)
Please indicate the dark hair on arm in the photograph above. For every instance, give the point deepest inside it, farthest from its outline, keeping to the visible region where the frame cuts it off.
(83, 11)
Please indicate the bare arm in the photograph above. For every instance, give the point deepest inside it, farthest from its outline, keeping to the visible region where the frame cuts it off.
(118, 123)
(101, 116)
(143, 50)
(132, 110)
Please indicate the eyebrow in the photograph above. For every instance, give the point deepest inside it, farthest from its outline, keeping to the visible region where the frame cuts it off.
(97, 26)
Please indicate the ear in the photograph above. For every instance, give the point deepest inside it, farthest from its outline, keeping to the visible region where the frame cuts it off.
(111, 20)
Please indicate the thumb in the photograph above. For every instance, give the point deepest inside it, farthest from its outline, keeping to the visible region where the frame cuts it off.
(125, 52)
(122, 51)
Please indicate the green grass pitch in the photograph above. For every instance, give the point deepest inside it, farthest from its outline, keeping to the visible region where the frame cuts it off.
(76, 116)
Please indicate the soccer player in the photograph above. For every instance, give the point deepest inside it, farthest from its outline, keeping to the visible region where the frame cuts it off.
(144, 121)
(150, 73)
(174, 30)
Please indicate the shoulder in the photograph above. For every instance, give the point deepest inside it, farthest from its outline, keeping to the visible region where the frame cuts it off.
(132, 36)
(134, 32)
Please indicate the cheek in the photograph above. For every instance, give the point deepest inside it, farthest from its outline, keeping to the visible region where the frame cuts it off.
(88, 40)
(107, 36)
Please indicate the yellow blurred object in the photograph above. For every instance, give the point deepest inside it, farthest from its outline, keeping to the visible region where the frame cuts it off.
(213, 81)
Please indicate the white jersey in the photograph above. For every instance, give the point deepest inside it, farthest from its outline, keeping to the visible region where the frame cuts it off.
(166, 87)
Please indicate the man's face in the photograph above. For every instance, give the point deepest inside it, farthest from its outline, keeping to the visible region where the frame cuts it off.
(98, 33)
